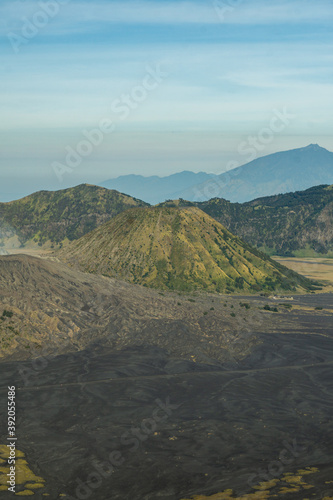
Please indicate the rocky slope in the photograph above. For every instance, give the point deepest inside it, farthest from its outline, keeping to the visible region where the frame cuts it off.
(48, 308)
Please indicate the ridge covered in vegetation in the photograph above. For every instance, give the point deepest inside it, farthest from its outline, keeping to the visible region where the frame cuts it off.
(293, 224)
(57, 216)
(178, 249)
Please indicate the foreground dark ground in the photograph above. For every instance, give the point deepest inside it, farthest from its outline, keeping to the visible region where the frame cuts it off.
(224, 427)
(127, 393)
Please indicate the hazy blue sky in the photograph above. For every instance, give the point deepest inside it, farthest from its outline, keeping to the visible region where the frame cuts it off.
(202, 77)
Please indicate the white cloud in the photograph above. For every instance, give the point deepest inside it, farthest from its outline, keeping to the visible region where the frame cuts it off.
(229, 83)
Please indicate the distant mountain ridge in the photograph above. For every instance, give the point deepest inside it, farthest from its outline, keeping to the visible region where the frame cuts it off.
(156, 189)
(278, 173)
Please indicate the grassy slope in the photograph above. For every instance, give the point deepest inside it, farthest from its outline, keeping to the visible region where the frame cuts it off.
(298, 224)
(284, 224)
(60, 215)
(180, 249)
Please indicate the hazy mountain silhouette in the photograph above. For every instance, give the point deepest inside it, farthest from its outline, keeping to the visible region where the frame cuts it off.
(282, 172)
(157, 189)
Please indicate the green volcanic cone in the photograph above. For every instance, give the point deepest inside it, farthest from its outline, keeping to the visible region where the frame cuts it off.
(177, 249)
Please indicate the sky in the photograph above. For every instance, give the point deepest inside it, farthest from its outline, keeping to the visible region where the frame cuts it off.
(93, 90)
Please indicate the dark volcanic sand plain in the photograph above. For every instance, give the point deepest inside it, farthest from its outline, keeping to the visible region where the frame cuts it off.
(231, 421)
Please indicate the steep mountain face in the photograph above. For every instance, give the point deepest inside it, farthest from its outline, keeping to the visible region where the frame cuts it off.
(156, 189)
(282, 172)
(298, 223)
(178, 249)
(56, 216)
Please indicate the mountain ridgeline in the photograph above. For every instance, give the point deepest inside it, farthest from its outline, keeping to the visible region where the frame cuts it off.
(174, 248)
(293, 224)
(52, 217)
(156, 189)
(282, 172)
